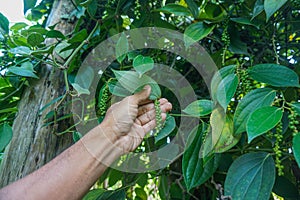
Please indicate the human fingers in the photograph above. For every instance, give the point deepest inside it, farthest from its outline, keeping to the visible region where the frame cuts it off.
(141, 96)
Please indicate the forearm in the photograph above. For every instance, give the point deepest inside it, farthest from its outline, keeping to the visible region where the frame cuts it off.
(69, 175)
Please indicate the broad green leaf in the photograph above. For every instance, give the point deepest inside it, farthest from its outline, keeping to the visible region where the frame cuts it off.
(25, 70)
(79, 36)
(134, 83)
(226, 90)
(250, 177)
(226, 140)
(114, 177)
(6, 134)
(258, 8)
(113, 195)
(4, 24)
(195, 171)
(55, 34)
(285, 188)
(169, 126)
(80, 90)
(275, 75)
(28, 4)
(85, 77)
(193, 7)
(141, 194)
(262, 120)
(76, 136)
(93, 194)
(175, 9)
(117, 89)
(246, 21)
(199, 108)
(59, 49)
(296, 148)
(196, 32)
(296, 107)
(35, 39)
(271, 6)
(122, 47)
(143, 64)
(22, 50)
(213, 13)
(163, 187)
(217, 78)
(253, 100)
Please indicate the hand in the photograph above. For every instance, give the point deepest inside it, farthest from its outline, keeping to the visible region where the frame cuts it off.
(132, 118)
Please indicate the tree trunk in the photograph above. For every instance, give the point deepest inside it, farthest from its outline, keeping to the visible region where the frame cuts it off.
(34, 145)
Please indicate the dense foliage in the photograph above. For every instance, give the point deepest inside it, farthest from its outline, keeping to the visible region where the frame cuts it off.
(252, 103)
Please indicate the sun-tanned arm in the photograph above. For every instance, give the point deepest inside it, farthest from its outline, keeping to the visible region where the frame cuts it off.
(71, 174)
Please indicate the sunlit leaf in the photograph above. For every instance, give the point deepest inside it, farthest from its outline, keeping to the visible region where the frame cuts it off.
(199, 108)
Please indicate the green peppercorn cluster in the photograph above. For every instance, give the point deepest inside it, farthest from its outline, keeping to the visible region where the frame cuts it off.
(103, 97)
(158, 118)
(137, 8)
(278, 152)
(245, 85)
(293, 122)
(226, 40)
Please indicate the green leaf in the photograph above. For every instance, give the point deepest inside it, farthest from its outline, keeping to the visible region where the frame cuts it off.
(285, 188)
(226, 90)
(80, 90)
(117, 89)
(140, 193)
(55, 34)
(22, 50)
(6, 134)
(79, 36)
(195, 171)
(258, 8)
(175, 9)
(193, 7)
(28, 4)
(296, 148)
(196, 32)
(262, 120)
(199, 108)
(213, 13)
(76, 136)
(245, 21)
(143, 64)
(253, 100)
(169, 126)
(134, 83)
(113, 195)
(296, 107)
(218, 77)
(271, 6)
(226, 140)
(275, 75)
(93, 194)
(4, 24)
(35, 39)
(163, 187)
(122, 47)
(250, 177)
(25, 70)
(18, 26)
(85, 77)
(59, 49)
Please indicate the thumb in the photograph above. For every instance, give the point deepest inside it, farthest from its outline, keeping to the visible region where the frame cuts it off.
(142, 95)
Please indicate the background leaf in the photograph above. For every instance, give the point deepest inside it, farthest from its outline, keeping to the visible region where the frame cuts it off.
(169, 126)
(262, 120)
(251, 177)
(271, 6)
(6, 134)
(196, 32)
(122, 48)
(253, 100)
(4, 23)
(275, 75)
(296, 148)
(35, 39)
(175, 9)
(26, 70)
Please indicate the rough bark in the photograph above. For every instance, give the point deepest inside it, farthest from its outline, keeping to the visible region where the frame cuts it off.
(34, 145)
